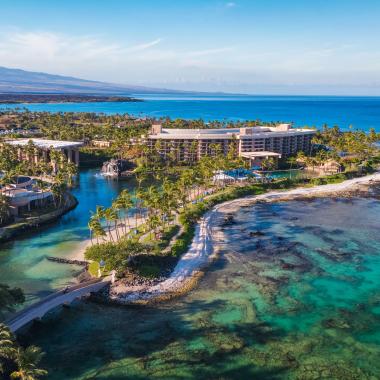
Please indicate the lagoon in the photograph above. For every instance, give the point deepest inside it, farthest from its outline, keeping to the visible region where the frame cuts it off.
(23, 261)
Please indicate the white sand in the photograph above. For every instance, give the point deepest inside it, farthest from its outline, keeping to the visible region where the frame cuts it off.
(78, 254)
(199, 255)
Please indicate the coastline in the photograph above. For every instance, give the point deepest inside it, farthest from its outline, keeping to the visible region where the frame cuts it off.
(62, 98)
(205, 247)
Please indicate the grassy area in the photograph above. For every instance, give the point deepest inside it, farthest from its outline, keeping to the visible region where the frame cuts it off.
(93, 268)
(160, 244)
(149, 270)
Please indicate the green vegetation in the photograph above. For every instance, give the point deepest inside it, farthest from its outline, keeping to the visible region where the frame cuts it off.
(9, 298)
(17, 362)
(350, 149)
(182, 194)
(170, 193)
(116, 255)
(156, 210)
(60, 172)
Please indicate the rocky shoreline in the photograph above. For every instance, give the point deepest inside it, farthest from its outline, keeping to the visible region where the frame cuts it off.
(208, 242)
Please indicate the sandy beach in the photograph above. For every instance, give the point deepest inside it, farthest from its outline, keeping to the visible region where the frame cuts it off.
(204, 247)
(78, 254)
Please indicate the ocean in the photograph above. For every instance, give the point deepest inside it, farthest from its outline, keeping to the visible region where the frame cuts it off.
(301, 301)
(358, 112)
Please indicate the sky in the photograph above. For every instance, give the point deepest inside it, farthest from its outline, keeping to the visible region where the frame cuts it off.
(242, 46)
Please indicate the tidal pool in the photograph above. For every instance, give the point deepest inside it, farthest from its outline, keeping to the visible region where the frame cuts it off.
(300, 301)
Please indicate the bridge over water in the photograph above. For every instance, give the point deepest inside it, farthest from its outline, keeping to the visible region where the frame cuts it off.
(61, 297)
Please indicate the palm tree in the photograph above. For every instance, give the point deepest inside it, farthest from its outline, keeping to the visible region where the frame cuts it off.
(110, 216)
(71, 171)
(92, 224)
(292, 161)
(27, 360)
(98, 230)
(124, 202)
(4, 209)
(7, 345)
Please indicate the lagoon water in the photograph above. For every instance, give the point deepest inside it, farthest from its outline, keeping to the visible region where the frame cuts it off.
(360, 112)
(23, 261)
(300, 302)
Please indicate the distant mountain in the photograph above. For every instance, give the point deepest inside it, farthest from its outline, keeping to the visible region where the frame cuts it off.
(21, 81)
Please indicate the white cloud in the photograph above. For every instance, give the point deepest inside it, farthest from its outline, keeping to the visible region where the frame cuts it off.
(46, 51)
(230, 4)
(144, 46)
(191, 66)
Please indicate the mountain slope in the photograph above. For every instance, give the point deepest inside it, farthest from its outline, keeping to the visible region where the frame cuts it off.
(21, 81)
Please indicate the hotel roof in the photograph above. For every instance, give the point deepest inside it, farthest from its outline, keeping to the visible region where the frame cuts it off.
(47, 144)
(227, 133)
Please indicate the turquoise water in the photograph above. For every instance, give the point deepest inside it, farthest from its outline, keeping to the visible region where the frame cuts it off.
(302, 301)
(361, 112)
(23, 261)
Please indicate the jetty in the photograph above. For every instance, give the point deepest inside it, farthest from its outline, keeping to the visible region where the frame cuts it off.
(62, 297)
(63, 260)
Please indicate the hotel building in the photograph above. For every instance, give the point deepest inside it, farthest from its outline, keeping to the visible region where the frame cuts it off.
(69, 148)
(253, 143)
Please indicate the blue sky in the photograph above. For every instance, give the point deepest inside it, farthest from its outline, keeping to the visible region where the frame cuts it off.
(249, 46)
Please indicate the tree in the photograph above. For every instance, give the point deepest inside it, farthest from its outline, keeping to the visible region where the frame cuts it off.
(7, 346)
(4, 209)
(292, 161)
(27, 361)
(124, 201)
(268, 164)
(110, 216)
(10, 297)
(17, 362)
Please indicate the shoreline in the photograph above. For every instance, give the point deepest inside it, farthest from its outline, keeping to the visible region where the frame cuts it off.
(32, 223)
(204, 247)
(16, 99)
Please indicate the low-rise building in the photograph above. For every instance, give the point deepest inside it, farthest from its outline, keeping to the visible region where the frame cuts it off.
(44, 147)
(24, 194)
(192, 144)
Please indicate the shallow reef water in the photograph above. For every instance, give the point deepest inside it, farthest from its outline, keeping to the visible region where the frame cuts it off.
(294, 294)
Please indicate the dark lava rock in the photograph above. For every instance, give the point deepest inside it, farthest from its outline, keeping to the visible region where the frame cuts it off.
(335, 324)
(256, 233)
(287, 266)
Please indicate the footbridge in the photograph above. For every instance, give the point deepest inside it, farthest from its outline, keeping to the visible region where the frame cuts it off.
(61, 297)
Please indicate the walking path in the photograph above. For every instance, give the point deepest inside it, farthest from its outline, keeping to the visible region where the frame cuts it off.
(192, 263)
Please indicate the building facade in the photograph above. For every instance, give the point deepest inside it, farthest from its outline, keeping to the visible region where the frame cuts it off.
(69, 148)
(192, 144)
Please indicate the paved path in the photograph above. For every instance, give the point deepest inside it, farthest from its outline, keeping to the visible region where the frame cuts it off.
(40, 308)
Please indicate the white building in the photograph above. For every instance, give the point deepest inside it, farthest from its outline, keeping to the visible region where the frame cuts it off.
(69, 148)
(24, 193)
(191, 144)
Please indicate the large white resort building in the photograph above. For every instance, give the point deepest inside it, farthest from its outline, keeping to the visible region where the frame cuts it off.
(252, 143)
(69, 148)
